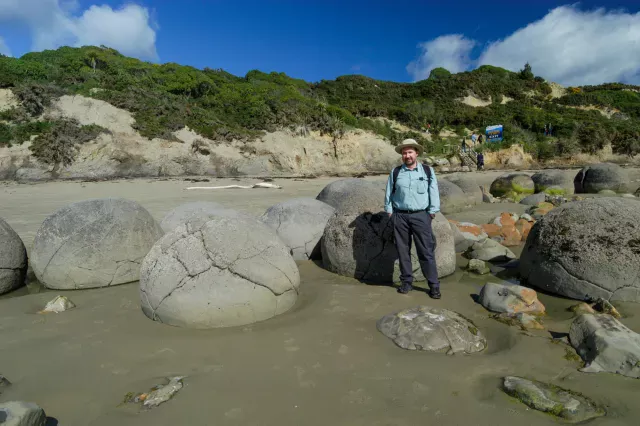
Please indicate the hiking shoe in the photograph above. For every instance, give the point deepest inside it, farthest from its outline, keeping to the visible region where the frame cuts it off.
(434, 293)
(405, 288)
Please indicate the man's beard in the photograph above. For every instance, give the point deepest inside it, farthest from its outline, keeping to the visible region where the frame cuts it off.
(409, 162)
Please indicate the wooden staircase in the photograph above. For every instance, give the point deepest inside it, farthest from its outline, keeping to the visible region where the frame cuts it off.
(468, 158)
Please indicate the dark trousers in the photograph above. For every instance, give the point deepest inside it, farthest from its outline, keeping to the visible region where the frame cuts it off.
(418, 226)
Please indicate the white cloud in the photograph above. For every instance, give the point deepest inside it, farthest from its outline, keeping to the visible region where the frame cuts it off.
(4, 49)
(450, 51)
(570, 46)
(54, 23)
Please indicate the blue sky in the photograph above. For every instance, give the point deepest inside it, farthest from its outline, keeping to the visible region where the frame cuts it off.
(313, 40)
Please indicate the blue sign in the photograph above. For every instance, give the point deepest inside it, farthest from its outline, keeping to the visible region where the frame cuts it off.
(494, 133)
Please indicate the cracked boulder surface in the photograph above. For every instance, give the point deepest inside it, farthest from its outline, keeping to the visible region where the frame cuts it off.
(195, 210)
(220, 272)
(586, 250)
(13, 259)
(598, 177)
(355, 195)
(93, 243)
(299, 223)
(430, 329)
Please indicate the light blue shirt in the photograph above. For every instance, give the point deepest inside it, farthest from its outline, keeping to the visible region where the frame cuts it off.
(412, 192)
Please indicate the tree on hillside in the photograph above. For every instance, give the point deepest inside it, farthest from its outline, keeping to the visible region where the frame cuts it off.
(526, 73)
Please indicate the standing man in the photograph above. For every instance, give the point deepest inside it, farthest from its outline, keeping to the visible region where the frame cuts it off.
(412, 201)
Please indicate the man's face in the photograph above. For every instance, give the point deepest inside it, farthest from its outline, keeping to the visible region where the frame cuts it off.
(409, 156)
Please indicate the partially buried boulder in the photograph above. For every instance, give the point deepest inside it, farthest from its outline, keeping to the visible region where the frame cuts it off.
(512, 185)
(469, 187)
(555, 182)
(219, 272)
(586, 250)
(300, 224)
(510, 299)
(353, 192)
(605, 344)
(13, 259)
(489, 251)
(452, 198)
(196, 210)
(569, 406)
(430, 329)
(533, 199)
(595, 178)
(93, 243)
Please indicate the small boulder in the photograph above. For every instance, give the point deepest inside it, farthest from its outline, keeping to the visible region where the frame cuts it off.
(57, 305)
(540, 210)
(510, 299)
(605, 344)
(452, 198)
(533, 199)
(196, 210)
(510, 236)
(555, 182)
(569, 406)
(606, 307)
(469, 186)
(527, 217)
(163, 393)
(13, 259)
(478, 266)
(505, 219)
(20, 413)
(593, 179)
(607, 192)
(430, 329)
(93, 243)
(465, 234)
(299, 223)
(512, 185)
(489, 251)
(627, 195)
(581, 308)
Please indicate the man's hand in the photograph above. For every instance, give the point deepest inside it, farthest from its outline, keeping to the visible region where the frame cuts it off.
(389, 214)
(433, 216)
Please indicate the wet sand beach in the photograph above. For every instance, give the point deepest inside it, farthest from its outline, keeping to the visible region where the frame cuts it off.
(321, 363)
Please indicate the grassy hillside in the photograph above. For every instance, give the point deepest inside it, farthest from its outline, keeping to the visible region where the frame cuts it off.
(165, 98)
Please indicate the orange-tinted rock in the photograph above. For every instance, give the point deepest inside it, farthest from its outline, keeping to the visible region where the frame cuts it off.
(491, 230)
(524, 227)
(506, 219)
(511, 236)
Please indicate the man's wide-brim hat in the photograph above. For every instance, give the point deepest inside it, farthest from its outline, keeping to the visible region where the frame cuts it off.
(409, 143)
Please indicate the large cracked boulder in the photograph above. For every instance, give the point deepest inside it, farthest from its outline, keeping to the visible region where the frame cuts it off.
(469, 187)
(586, 250)
(13, 259)
(353, 193)
(452, 198)
(196, 210)
(605, 344)
(598, 177)
(21, 413)
(555, 182)
(218, 272)
(431, 329)
(512, 185)
(93, 243)
(300, 224)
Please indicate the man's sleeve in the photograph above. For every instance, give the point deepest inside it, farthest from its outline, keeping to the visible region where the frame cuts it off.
(434, 194)
(387, 196)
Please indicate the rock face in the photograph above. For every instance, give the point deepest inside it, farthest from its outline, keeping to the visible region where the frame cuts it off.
(196, 210)
(567, 405)
(512, 185)
(511, 299)
(20, 413)
(218, 273)
(605, 344)
(595, 178)
(586, 250)
(354, 194)
(489, 251)
(554, 182)
(300, 224)
(93, 243)
(469, 186)
(430, 329)
(13, 259)
(445, 252)
(452, 198)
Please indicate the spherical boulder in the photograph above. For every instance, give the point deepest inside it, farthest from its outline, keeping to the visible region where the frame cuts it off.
(353, 194)
(512, 185)
(469, 186)
(585, 250)
(555, 182)
(13, 259)
(300, 224)
(197, 209)
(452, 197)
(221, 272)
(595, 178)
(93, 243)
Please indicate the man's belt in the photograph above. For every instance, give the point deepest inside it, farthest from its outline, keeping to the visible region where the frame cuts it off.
(409, 211)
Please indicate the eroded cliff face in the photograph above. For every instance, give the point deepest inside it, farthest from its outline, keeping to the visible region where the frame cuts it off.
(124, 153)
